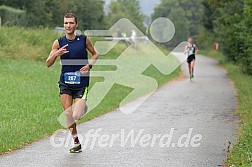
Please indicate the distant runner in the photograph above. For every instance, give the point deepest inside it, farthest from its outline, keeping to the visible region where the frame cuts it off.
(74, 78)
(191, 50)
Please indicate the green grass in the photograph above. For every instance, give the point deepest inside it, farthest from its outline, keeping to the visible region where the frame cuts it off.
(30, 105)
(241, 154)
(23, 43)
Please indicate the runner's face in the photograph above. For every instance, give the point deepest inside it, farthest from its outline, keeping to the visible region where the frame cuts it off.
(70, 25)
(189, 41)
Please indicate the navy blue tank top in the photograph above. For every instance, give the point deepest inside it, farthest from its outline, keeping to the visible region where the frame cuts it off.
(75, 59)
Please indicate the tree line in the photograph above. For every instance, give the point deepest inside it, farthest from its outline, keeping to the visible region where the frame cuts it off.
(207, 21)
(49, 13)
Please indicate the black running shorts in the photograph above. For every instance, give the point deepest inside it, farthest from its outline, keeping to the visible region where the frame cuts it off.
(74, 92)
(190, 58)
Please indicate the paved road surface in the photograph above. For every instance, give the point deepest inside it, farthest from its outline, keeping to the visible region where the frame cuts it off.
(206, 105)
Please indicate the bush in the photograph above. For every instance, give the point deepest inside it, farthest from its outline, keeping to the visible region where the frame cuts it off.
(11, 16)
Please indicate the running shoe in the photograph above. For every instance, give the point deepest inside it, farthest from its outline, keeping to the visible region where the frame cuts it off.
(76, 148)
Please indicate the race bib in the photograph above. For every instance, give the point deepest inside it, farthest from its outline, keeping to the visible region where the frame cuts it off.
(191, 52)
(72, 78)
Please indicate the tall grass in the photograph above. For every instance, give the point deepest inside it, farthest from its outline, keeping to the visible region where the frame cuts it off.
(24, 43)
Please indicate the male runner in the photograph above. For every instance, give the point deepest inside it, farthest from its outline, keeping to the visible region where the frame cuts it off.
(74, 78)
(191, 50)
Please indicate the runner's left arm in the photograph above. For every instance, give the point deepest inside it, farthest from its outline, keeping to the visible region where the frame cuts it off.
(94, 58)
(92, 51)
(196, 49)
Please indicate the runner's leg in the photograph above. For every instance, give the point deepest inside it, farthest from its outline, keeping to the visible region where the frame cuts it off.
(189, 67)
(79, 107)
(192, 67)
(67, 102)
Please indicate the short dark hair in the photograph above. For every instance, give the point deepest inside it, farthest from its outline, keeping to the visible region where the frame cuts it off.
(71, 15)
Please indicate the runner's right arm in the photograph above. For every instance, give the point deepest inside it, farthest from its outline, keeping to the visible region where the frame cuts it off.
(186, 50)
(55, 52)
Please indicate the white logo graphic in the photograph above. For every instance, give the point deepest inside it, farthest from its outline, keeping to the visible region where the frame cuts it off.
(132, 62)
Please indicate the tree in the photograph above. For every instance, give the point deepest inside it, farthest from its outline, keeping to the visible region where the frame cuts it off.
(91, 14)
(246, 25)
(192, 9)
(208, 16)
(49, 13)
(227, 19)
(11, 16)
(16, 3)
(129, 9)
(177, 16)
